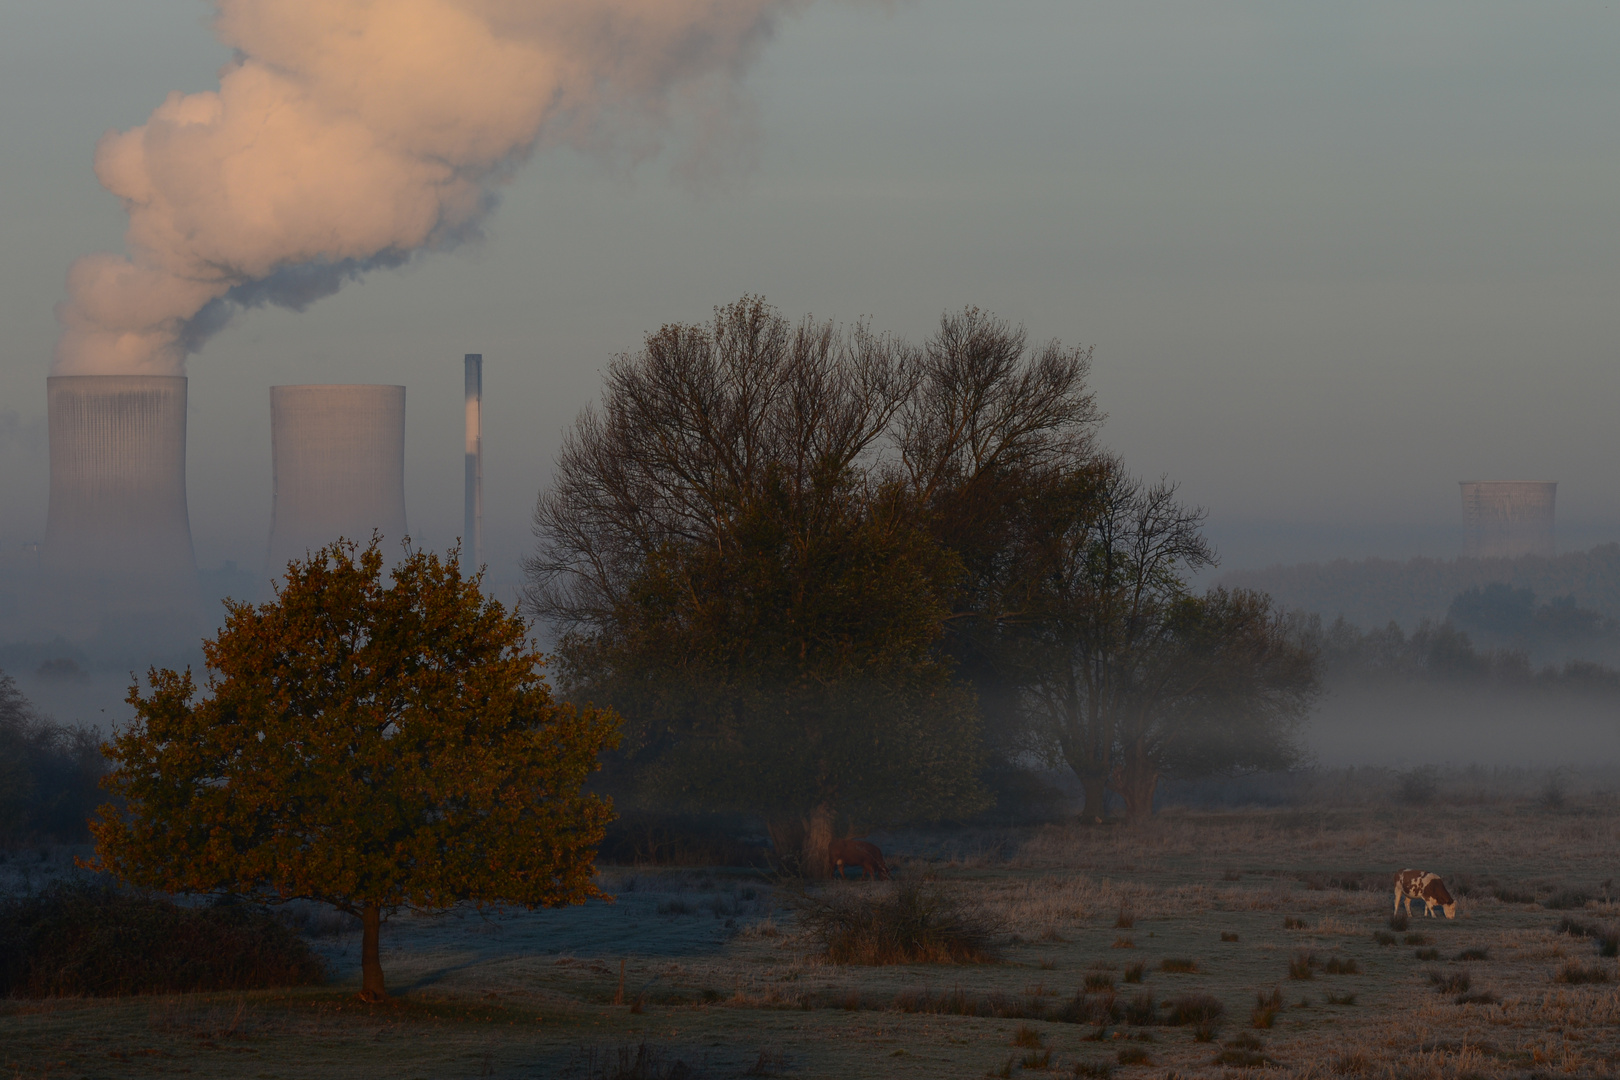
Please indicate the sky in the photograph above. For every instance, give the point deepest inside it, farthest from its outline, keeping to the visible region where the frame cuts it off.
(1333, 258)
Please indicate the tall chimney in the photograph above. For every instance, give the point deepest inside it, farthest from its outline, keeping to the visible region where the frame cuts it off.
(472, 540)
(117, 534)
(339, 460)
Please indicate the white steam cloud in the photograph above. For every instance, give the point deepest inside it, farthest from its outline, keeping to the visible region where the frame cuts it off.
(349, 134)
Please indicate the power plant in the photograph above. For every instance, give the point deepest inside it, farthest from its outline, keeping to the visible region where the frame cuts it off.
(117, 534)
(1508, 518)
(338, 454)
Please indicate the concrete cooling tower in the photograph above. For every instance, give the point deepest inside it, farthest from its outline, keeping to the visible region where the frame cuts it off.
(117, 536)
(1508, 518)
(339, 458)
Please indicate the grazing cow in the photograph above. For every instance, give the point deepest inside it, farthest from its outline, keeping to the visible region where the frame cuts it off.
(1413, 885)
(859, 853)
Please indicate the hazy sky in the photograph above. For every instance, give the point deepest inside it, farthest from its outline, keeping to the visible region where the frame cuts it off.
(1334, 258)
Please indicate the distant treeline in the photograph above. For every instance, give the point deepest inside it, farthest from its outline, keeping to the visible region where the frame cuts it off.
(1440, 651)
(1373, 592)
(48, 774)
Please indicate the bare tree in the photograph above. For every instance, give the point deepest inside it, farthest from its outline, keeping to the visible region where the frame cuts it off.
(1099, 626)
(737, 572)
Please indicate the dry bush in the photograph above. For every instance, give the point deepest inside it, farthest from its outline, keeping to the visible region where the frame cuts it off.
(1427, 954)
(1028, 1037)
(1141, 1011)
(1266, 1008)
(908, 922)
(81, 940)
(1453, 982)
(1384, 937)
(1339, 965)
(1227, 935)
(1134, 1055)
(1575, 974)
(1474, 954)
(1097, 981)
(1134, 972)
(1193, 1009)
(1179, 966)
(1302, 965)
(1292, 923)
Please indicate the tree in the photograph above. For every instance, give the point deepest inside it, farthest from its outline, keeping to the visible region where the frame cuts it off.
(734, 571)
(373, 747)
(1224, 691)
(1128, 677)
(992, 428)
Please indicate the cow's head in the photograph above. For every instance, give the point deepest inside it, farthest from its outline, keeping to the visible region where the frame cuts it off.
(1437, 893)
(1450, 909)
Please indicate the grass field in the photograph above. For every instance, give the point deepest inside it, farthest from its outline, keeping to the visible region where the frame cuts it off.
(1282, 917)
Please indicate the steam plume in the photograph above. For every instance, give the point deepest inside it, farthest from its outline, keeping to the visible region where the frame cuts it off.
(349, 134)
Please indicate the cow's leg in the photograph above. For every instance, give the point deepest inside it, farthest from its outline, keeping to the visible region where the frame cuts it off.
(1397, 910)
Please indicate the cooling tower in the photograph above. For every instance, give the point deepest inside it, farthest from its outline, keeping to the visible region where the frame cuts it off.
(1508, 518)
(117, 537)
(339, 458)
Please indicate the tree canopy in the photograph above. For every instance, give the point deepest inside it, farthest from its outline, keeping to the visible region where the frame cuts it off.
(365, 744)
(824, 573)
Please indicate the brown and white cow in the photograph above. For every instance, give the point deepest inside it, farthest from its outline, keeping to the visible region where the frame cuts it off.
(858, 853)
(1413, 885)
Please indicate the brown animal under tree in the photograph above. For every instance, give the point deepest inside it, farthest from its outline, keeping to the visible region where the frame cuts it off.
(860, 853)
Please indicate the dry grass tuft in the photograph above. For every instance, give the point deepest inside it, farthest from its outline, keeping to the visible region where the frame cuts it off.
(1193, 1009)
(1028, 1037)
(1133, 973)
(1134, 1055)
(909, 922)
(1227, 935)
(1576, 974)
(1453, 982)
(1266, 1008)
(1302, 965)
(1292, 923)
(1125, 920)
(1179, 965)
(1339, 965)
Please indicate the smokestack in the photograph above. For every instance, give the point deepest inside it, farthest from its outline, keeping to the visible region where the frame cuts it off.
(339, 460)
(472, 540)
(117, 535)
(1508, 518)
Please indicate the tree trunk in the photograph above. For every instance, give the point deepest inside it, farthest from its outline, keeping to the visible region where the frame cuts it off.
(1136, 783)
(1096, 788)
(371, 973)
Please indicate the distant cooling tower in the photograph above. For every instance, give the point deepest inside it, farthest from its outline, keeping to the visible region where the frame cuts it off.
(1508, 518)
(117, 537)
(339, 457)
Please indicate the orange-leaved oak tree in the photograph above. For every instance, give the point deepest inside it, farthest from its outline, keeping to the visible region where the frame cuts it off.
(371, 745)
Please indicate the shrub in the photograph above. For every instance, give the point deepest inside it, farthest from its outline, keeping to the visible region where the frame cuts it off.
(1028, 1037)
(1291, 923)
(1338, 965)
(1133, 973)
(1455, 982)
(1193, 1009)
(1179, 965)
(1566, 900)
(1227, 935)
(647, 1062)
(1266, 1008)
(1124, 943)
(1302, 965)
(1101, 1070)
(1100, 1009)
(1098, 981)
(1141, 1010)
(1125, 920)
(1509, 895)
(1427, 954)
(1576, 973)
(1383, 937)
(84, 940)
(910, 922)
(1398, 922)
(1134, 1055)
(1419, 939)
(1341, 999)
(1037, 1059)
(1474, 954)
(1241, 1058)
